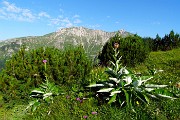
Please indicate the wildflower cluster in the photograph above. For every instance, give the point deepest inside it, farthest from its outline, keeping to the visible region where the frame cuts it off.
(93, 113)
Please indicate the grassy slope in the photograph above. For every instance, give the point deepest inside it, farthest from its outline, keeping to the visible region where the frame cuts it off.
(168, 61)
(166, 109)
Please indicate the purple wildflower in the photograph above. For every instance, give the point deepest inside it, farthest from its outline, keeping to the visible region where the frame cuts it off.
(85, 117)
(94, 113)
(78, 99)
(44, 61)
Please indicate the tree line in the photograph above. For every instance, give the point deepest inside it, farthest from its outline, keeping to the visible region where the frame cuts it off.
(168, 42)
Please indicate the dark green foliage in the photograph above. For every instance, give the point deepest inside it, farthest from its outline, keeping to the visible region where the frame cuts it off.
(168, 42)
(132, 49)
(149, 42)
(76, 67)
(2, 62)
(26, 70)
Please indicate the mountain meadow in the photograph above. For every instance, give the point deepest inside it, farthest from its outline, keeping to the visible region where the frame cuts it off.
(79, 73)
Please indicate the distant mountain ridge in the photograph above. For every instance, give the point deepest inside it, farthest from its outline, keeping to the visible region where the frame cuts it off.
(91, 40)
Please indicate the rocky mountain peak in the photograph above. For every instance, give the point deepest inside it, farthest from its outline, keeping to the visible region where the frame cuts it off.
(81, 32)
(92, 40)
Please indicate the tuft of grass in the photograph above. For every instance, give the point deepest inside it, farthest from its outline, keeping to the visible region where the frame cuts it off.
(16, 113)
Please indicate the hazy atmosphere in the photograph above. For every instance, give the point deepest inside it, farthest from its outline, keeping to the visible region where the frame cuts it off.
(34, 18)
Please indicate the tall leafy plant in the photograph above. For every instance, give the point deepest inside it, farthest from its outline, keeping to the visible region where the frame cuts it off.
(45, 93)
(127, 88)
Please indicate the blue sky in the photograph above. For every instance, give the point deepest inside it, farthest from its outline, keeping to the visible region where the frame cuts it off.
(20, 18)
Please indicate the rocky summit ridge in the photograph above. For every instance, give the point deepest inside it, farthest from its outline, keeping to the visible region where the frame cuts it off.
(92, 40)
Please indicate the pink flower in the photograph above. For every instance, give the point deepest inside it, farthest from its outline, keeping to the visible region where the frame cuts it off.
(44, 61)
(94, 113)
(78, 99)
(85, 117)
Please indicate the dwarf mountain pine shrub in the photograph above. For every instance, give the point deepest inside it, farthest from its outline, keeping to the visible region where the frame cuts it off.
(25, 70)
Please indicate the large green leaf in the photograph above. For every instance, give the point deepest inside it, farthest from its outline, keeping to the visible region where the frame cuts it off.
(105, 90)
(115, 92)
(95, 85)
(114, 79)
(111, 73)
(35, 105)
(113, 99)
(164, 93)
(147, 99)
(149, 89)
(112, 63)
(166, 96)
(117, 61)
(145, 78)
(110, 84)
(47, 95)
(128, 80)
(37, 91)
(155, 86)
(138, 95)
(123, 71)
(31, 103)
(151, 95)
(127, 97)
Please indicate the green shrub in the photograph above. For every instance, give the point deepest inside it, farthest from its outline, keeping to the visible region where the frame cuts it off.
(132, 49)
(2, 62)
(77, 67)
(26, 70)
